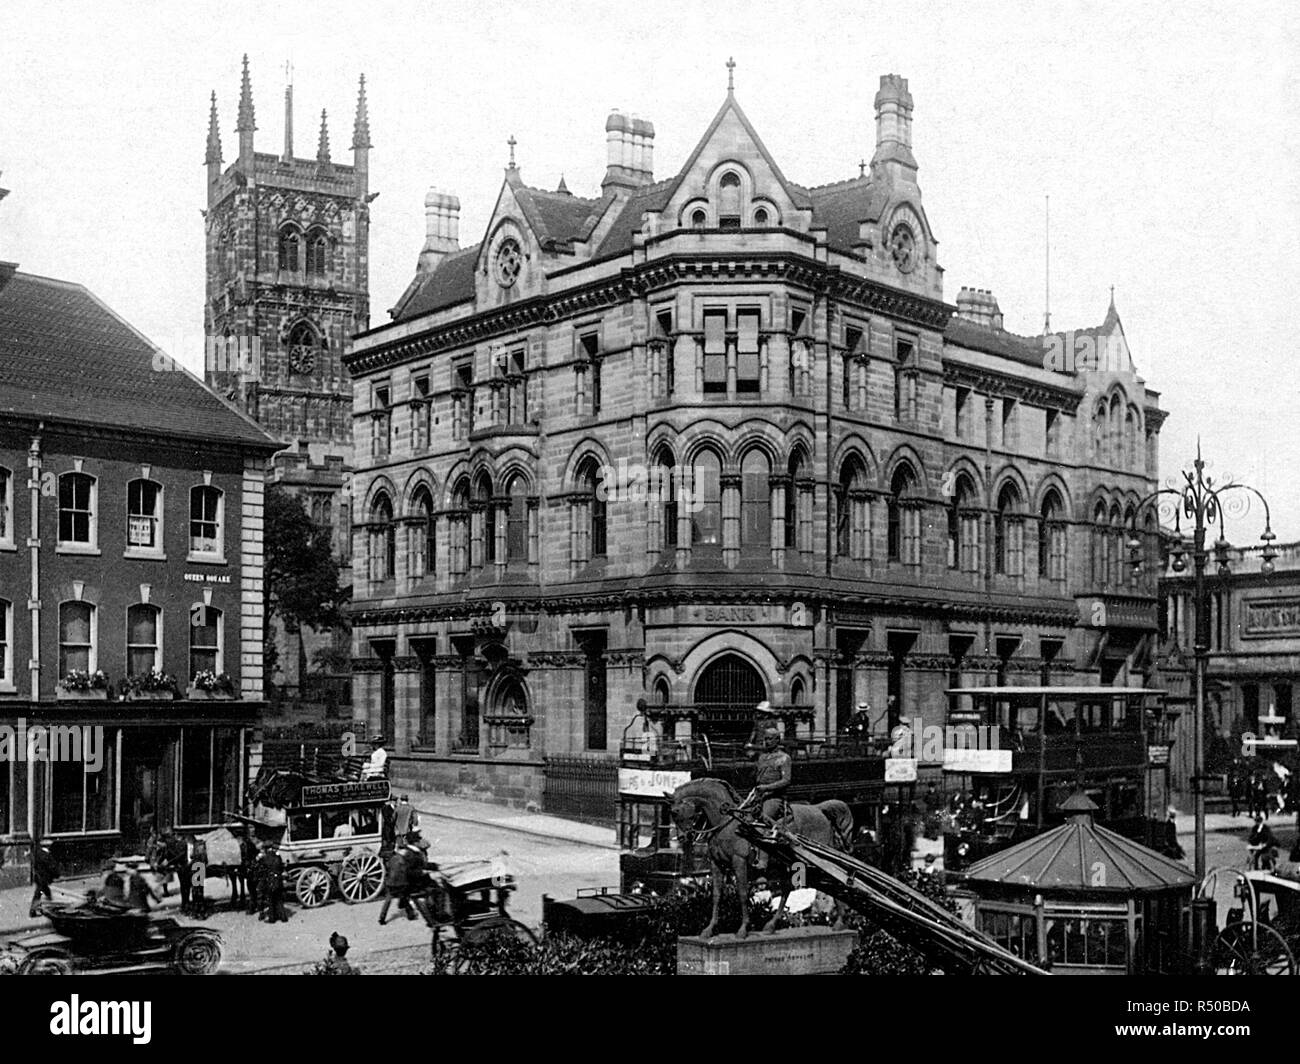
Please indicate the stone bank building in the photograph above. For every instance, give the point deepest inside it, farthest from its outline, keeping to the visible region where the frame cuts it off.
(873, 494)
(130, 541)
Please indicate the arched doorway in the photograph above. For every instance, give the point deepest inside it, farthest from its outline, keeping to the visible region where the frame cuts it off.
(726, 692)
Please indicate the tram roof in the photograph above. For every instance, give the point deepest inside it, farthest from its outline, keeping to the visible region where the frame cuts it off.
(1064, 692)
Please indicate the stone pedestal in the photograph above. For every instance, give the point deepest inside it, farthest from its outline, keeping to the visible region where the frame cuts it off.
(794, 951)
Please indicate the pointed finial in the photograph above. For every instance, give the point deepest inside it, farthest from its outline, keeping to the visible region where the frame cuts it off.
(512, 142)
(731, 75)
(323, 146)
(246, 120)
(862, 168)
(1112, 297)
(361, 127)
(214, 135)
(563, 188)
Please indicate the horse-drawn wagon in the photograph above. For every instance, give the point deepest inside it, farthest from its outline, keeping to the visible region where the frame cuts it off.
(1261, 935)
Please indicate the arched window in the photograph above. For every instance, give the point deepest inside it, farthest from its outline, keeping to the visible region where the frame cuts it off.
(1051, 538)
(383, 539)
(663, 693)
(1100, 546)
(755, 503)
(77, 638)
(1116, 549)
(143, 647)
(904, 533)
(699, 219)
(424, 542)
(760, 218)
(852, 527)
(795, 471)
(206, 504)
(206, 640)
(77, 524)
(1127, 528)
(304, 348)
(729, 201)
(1099, 432)
(485, 548)
(797, 691)
(963, 527)
(290, 241)
(1008, 533)
(317, 253)
(590, 513)
(1116, 431)
(460, 521)
(517, 522)
(666, 496)
(144, 513)
(706, 493)
(1130, 439)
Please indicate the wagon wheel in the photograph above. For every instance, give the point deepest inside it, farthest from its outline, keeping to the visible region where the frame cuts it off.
(361, 878)
(499, 925)
(312, 887)
(1252, 949)
(198, 953)
(46, 964)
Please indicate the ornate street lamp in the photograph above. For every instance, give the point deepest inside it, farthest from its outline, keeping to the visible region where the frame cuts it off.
(1200, 501)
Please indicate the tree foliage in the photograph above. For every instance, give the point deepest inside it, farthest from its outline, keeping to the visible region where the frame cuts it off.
(301, 581)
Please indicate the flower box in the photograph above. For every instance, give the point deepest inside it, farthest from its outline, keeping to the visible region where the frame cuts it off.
(94, 694)
(200, 694)
(149, 696)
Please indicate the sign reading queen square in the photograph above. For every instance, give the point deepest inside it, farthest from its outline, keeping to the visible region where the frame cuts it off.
(1269, 618)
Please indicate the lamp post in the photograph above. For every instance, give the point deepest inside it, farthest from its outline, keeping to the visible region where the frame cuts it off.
(1199, 500)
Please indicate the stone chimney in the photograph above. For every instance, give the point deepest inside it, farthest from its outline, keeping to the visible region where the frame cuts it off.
(979, 305)
(629, 145)
(894, 127)
(442, 229)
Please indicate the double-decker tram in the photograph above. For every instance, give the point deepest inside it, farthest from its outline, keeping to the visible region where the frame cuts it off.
(1014, 755)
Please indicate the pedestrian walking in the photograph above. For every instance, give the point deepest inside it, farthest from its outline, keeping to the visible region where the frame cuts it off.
(45, 871)
(273, 885)
(1173, 847)
(406, 822)
(395, 886)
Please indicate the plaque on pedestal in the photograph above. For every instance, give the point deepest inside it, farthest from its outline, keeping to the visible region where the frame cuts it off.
(794, 951)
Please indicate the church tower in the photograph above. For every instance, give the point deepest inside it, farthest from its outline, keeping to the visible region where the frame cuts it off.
(287, 243)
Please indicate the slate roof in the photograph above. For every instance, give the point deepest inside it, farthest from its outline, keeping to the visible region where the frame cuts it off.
(1027, 350)
(1082, 857)
(451, 283)
(66, 357)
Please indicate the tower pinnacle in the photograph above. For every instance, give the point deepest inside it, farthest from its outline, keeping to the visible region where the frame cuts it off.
(323, 147)
(361, 127)
(214, 136)
(246, 121)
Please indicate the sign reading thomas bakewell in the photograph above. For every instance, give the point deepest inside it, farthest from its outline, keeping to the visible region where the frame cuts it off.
(649, 783)
(963, 760)
(345, 793)
(1267, 618)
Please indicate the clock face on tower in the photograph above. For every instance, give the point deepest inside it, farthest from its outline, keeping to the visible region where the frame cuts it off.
(902, 246)
(509, 261)
(302, 358)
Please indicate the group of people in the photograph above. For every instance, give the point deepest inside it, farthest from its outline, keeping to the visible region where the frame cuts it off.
(1262, 792)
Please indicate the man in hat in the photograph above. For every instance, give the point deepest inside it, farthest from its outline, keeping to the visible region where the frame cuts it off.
(273, 884)
(406, 822)
(377, 765)
(44, 872)
(772, 781)
(1262, 844)
(1172, 846)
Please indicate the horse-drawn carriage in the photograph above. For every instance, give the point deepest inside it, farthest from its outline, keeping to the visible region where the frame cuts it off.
(88, 937)
(1261, 935)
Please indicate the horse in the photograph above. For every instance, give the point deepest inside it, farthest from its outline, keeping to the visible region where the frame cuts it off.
(828, 823)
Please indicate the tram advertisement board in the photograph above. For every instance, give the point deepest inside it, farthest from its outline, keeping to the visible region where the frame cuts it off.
(964, 760)
(342, 793)
(649, 783)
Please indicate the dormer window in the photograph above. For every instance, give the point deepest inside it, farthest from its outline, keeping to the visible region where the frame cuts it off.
(699, 220)
(729, 201)
(760, 218)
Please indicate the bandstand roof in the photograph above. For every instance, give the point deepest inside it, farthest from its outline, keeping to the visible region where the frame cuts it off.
(1084, 857)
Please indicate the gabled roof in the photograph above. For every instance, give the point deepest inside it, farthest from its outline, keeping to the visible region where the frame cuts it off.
(1027, 350)
(647, 198)
(450, 283)
(65, 356)
(557, 217)
(797, 195)
(1083, 857)
(841, 207)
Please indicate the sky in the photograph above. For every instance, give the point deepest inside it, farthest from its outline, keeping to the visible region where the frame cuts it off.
(1167, 137)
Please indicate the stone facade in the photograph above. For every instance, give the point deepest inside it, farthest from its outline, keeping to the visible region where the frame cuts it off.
(717, 439)
(287, 286)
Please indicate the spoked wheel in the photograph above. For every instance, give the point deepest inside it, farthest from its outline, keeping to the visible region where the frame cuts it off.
(499, 925)
(361, 878)
(312, 887)
(1252, 949)
(198, 953)
(46, 964)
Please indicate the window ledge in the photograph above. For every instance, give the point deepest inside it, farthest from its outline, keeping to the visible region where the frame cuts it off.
(77, 548)
(145, 555)
(8, 688)
(206, 559)
(8, 544)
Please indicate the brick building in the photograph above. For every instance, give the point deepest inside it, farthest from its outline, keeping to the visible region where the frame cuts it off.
(130, 540)
(715, 439)
(287, 285)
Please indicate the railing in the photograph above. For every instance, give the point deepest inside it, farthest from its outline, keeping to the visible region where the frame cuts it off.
(582, 788)
(698, 750)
